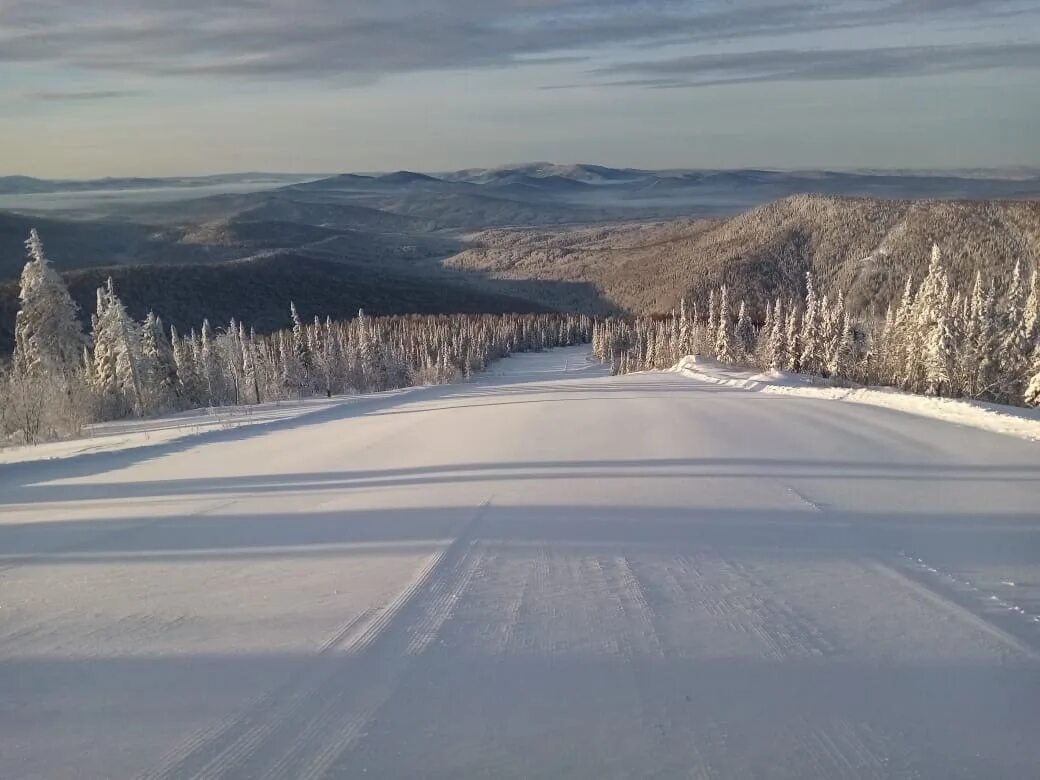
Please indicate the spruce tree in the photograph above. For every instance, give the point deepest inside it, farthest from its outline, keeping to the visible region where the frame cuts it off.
(811, 338)
(744, 334)
(47, 333)
(724, 350)
(777, 349)
(686, 346)
(792, 345)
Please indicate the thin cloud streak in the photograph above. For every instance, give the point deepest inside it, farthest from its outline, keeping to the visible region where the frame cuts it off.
(816, 65)
(368, 39)
(45, 96)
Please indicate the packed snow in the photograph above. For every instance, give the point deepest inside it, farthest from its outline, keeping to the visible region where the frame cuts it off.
(547, 572)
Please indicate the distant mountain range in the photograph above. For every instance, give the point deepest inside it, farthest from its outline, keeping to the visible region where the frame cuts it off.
(13, 185)
(483, 197)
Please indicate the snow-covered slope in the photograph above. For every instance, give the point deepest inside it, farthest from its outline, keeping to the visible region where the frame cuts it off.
(546, 573)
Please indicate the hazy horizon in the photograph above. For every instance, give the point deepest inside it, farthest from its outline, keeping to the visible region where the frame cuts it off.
(143, 88)
(1028, 171)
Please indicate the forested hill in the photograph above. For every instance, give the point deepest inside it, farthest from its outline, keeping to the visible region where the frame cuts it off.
(860, 246)
(258, 291)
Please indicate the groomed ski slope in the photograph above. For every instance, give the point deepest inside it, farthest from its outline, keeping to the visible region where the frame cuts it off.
(548, 572)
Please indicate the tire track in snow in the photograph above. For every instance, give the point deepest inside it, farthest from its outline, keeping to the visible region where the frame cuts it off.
(735, 594)
(277, 733)
(672, 733)
(944, 600)
(784, 629)
(732, 593)
(528, 610)
(446, 596)
(626, 590)
(500, 636)
(965, 588)
(846, 749)
(199, 754)
(334, 735)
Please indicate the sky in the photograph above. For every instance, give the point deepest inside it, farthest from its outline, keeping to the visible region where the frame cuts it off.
(179, 87)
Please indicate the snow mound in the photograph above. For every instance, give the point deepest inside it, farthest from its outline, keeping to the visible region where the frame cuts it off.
(996, 418)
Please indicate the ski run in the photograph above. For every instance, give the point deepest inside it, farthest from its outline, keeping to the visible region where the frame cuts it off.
(544, 572)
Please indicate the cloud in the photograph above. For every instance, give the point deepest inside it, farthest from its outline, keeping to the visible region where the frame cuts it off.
(80, 95)
(362, 40)
(820, 65)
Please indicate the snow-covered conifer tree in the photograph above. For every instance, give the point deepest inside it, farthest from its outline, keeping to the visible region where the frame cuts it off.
(158, 367)
(47, 333)
(776, 353)
(724, 348)
(1032, 393)
(791, 341)
(811, 359)
(117, 356)
(712, 324)
(686, 346)
(744, 334)
(842, 358)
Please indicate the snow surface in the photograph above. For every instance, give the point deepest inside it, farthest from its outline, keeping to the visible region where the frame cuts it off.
(1011, 420)
(549, 572)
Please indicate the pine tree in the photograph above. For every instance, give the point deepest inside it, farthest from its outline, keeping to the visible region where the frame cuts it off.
(650, 353)
(686, 346)
(673, 341)
(939, 357)
(724, 349)
(987, 347)
(159, 368)
(249, 362)
(117, 356)
(209, 368)
(1031, 314)
(792, 345)
(833, 326)
(744, 334)
(304, 359)
(761, 349)
(842, 357)
(712, 324)
(811, 358)
(103, 371)
(48, 336)
(777, 349)
(1032, 393)
(903, 336)
(1017, 341)
(931, 307)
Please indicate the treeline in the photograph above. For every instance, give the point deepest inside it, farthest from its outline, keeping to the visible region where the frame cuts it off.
(61, 379)
(257, 291)
(935, 341)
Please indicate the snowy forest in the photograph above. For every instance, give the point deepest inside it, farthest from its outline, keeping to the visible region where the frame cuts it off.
(985, 345)
(61, 379)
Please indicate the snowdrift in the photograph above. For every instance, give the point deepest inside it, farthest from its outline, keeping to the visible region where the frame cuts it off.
(997, 418)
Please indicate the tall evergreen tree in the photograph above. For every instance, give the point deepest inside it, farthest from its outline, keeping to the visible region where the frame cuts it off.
(724, 348)
(159, 368)
(48, 336)
(686, 346)
(777, 351)
(811, 338)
